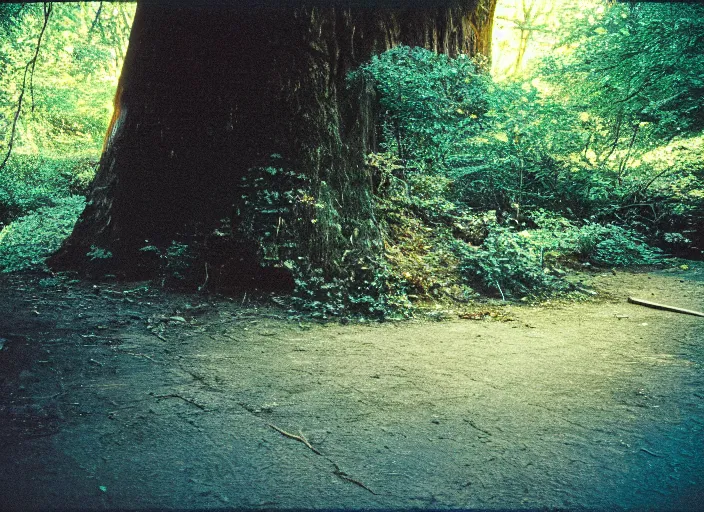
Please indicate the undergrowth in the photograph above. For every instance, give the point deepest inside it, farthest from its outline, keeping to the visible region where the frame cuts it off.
(30, 181)
(282, 213)
(453, 230)
(29, 240)
(470, 198)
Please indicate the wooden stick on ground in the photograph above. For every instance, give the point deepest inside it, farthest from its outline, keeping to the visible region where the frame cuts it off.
(663, 307)
(159, 336)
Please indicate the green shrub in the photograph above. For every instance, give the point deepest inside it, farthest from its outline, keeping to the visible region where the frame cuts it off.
(521, 263)
(601, 244)
(29, 182)
(458, 150)
(614, 246)
(509, 263)
(283, 215)
(431, 103)
(175, 264)
(29, 240)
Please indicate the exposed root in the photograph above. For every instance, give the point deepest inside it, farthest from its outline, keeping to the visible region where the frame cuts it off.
(174, 395)
(338, 472)
(301, 438)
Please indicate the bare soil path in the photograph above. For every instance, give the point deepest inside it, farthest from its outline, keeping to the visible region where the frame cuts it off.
(127, 398)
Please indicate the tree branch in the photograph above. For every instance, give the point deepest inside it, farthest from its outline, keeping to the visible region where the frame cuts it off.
(29, 68)
(97, 18)
(652, 180)
(624, 163)
(47, 12)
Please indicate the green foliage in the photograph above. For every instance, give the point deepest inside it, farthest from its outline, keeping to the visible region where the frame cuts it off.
(274, 201)
(608, 245)
(178, 260)
(520, 162)
(606, 128)
(632, 76)
(328, 297)
(431, 103)
(640, 62)
(98, 253)
(70, 102)
(29, 182)
(507, 262)
(434, 245)
(282, 214)
(614, 246)
(517, 263)
(29, 240)
(60, 128)
(10, 17)
(175, 263)
(418, 226)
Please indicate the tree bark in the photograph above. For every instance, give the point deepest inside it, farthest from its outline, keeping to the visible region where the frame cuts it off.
(206, 95)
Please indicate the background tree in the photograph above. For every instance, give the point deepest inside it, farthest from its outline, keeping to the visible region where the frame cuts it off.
(527, 18)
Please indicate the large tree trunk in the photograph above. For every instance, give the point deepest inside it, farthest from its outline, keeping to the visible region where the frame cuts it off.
(205, 96)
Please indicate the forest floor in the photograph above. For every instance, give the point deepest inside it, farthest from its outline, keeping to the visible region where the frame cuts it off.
(126, 397)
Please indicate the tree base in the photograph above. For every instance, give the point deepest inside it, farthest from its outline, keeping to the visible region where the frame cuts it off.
(206, 96)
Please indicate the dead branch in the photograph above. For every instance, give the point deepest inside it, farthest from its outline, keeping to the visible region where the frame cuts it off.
(162, 338)
(650, 453)
(664, 307)
(47, 12)
(97, 18)
(338, 472)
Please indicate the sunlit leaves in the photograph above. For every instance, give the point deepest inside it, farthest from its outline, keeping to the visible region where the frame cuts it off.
(75, 76)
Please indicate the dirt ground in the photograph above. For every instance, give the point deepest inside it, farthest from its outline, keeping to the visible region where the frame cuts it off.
(122, 397)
